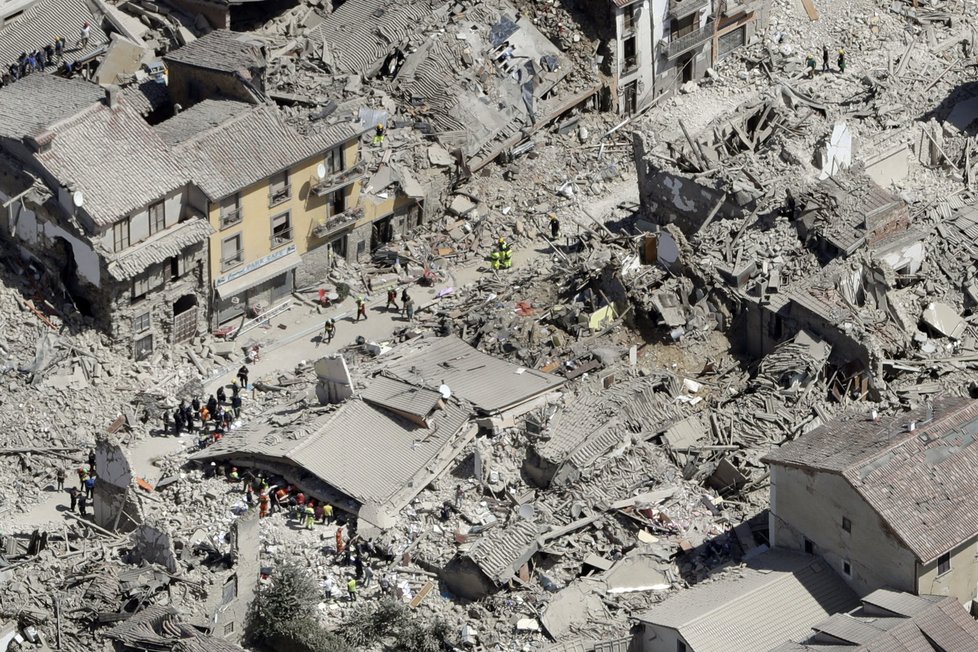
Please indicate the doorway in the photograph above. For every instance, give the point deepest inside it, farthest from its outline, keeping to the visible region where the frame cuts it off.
(184, 318)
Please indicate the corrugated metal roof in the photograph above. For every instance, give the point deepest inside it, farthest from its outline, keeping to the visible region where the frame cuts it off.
(921, 483)
(221, 50)
(135, 170)
(491, 384)
(50, 98)
(46, 20)
(395, 395)
(779, 597)
(158, 248)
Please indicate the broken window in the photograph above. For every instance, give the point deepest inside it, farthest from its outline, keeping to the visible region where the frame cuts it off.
(281, 230)
(809, 547)
(230, 211)
(630, 16)
(141, 323)
(846, 524)
(278, 188)
(140, 287)
(157, 218)
(944, 563)
(120, 235)
(683, 26)
(143, 347)
(229, 628)
(629, 54)
(230, 590)
(334, 160)
(231, 252)
(335, 203)
(338, 246)
(846, 568)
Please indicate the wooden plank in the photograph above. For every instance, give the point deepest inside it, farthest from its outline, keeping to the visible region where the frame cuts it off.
(810, 8)
(422, 594)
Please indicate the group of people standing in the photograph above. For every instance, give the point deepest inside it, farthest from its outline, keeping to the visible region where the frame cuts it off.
(211, 420)
(84, 494)
(51, 54)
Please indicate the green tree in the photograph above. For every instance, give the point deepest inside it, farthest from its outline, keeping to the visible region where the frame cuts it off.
(283, 615)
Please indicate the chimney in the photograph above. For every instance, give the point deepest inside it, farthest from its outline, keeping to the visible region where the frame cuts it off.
(112, 96)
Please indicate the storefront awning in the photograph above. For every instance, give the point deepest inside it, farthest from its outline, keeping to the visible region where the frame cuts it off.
(259, 275)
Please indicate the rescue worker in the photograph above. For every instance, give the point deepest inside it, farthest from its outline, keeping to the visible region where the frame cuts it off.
(329, 329)
(554, 226)
(340, 546)
(810, 66)
(351, 589)
(310, 514)
(263, 505)
(379, 134)
(494, 259)
(361, 308)
(842, 60)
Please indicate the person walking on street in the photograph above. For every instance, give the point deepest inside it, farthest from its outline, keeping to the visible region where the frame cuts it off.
(825, 58)
(392, 300)
(60, 477)
(329, 330)
(405, 297)
(361, 308)
(842, 60)
(243, 376)
(409, 307)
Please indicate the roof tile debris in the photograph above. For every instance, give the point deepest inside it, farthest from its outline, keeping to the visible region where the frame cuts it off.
(221, 50)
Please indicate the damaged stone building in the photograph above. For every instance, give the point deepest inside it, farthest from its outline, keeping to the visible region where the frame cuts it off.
(116, 227)
(656, 46)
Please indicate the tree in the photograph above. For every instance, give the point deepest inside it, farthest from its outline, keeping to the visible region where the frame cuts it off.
(283, 615)
(391, 623)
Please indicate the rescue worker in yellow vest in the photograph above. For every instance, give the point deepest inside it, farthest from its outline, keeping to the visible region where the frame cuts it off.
(494, 259)
(505, 254)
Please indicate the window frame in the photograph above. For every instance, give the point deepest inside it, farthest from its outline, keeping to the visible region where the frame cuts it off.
(335, 161)
(944, 560)
(279, 195)
(240, 252)
(141, 323)
(236, 213)
(275, 241)
(121, 241)
(846, 525)
(847, 568)
(157, 222)
(140, 281)
(141, 353)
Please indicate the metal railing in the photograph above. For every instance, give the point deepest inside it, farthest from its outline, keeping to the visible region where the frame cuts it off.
(683, 8)
(232, 261)
(230, 217)
(689, 41)
(336, 222)
(338, 179)
(630, 64)
(282, 237)
(278, 196)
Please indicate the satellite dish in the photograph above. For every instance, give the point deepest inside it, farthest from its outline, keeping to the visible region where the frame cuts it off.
(321, 171)
(78, 199)
(444, 391)
(235, 301)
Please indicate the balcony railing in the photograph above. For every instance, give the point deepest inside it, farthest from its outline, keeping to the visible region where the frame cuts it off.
(276, 197)
(689, 41)
(331, 225)
(630, 64)
(281, 237)
(233, 260)
(230, 217)
(339, 179)
(683, 8)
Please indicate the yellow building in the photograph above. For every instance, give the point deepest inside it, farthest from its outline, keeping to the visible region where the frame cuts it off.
(282, 204)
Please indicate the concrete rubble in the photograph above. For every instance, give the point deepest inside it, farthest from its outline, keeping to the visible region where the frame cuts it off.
(555, 448)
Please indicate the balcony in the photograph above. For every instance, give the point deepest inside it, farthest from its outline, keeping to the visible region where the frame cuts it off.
(229, 218)
(687, 42)
(276, 197)
(337, 180)
(682, 8)
(338, 222)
